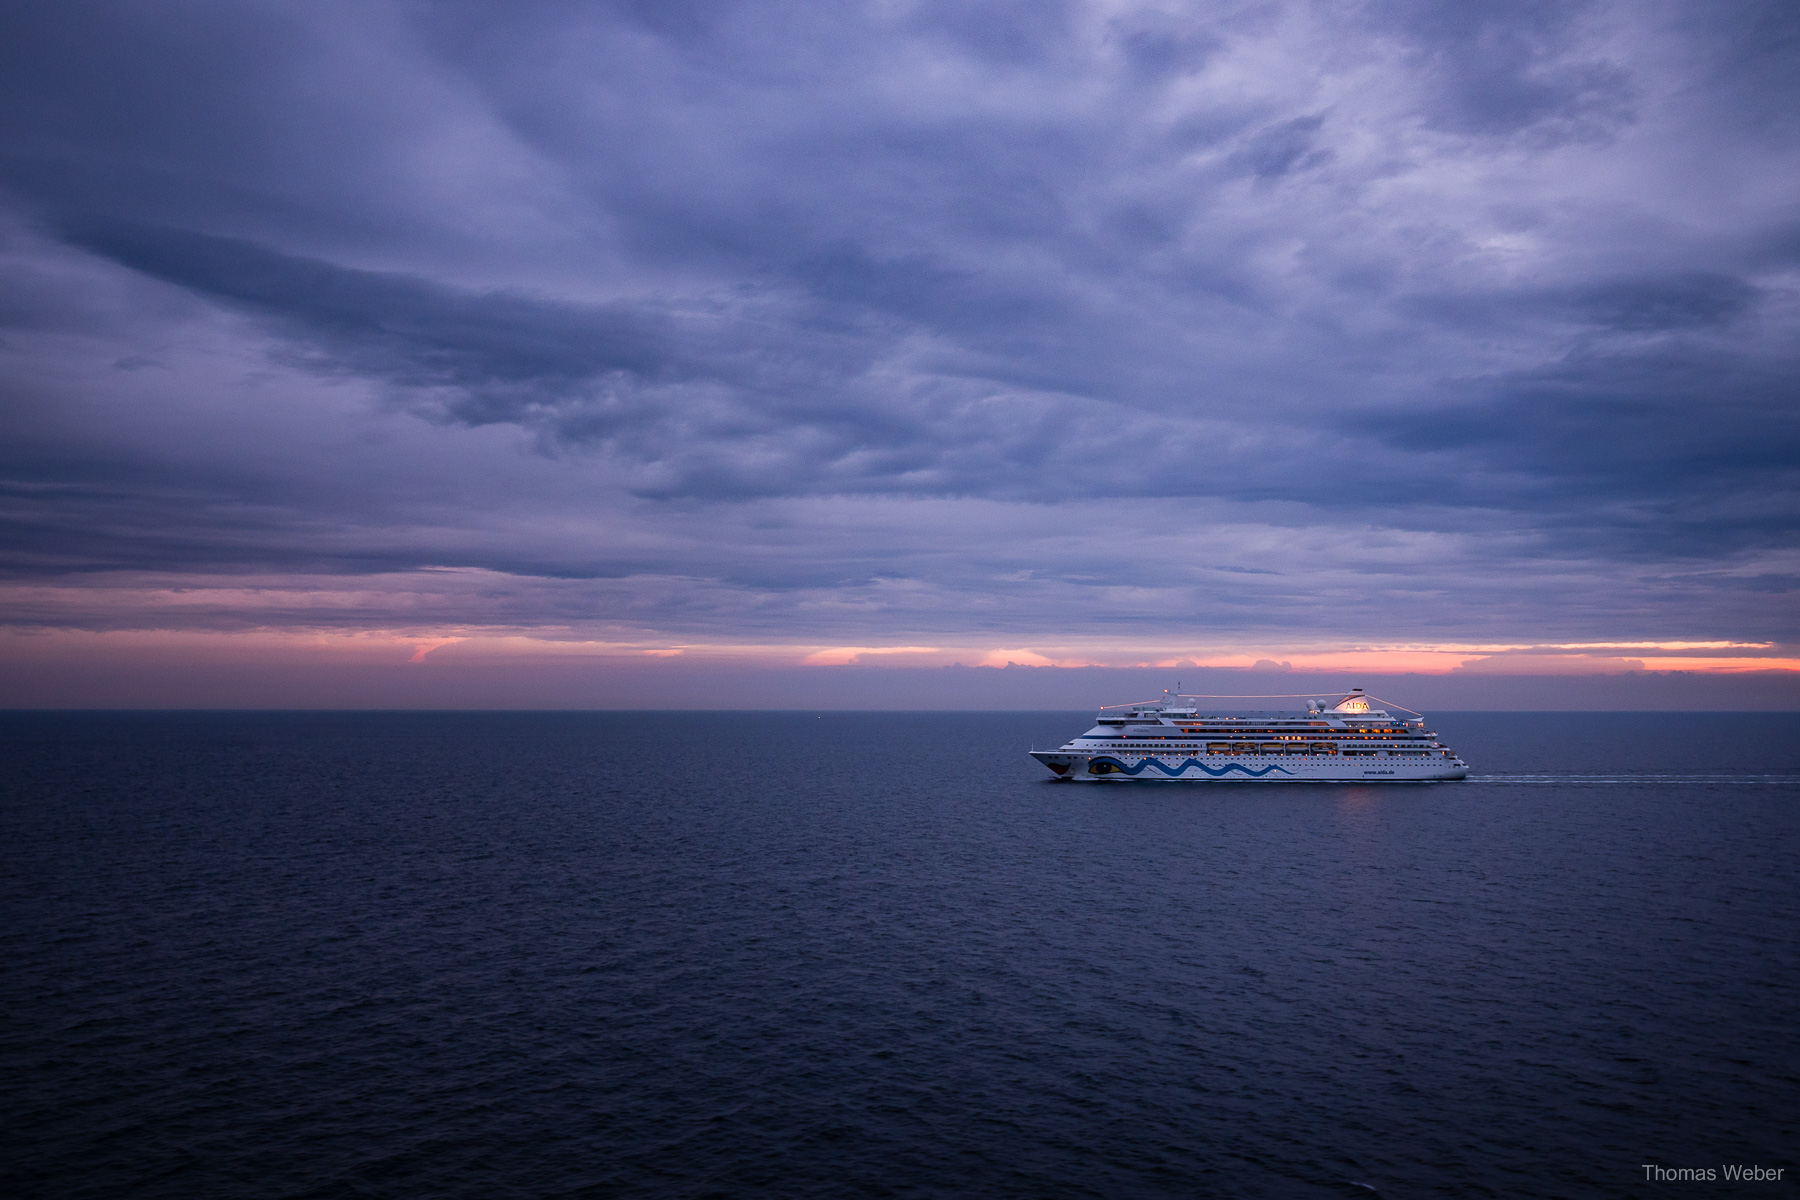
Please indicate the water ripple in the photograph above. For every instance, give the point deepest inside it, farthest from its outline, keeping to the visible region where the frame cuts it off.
(505, 955)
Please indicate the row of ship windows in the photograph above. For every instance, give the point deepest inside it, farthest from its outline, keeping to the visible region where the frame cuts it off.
(1273, 742)
(1247, 728)
(1365, 735)
(1181, 745)
(1279, 724)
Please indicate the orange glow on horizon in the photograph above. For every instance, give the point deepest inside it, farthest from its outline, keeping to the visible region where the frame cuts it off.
(443, 648)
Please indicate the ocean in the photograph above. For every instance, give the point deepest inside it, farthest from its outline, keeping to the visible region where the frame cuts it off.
(882, 954)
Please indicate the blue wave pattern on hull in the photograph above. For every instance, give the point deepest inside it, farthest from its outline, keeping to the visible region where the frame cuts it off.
(1171, 772)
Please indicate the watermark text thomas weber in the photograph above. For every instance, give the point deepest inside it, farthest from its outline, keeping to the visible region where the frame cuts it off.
(1735, 1172)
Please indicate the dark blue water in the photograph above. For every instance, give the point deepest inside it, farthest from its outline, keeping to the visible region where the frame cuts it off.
(534, 955)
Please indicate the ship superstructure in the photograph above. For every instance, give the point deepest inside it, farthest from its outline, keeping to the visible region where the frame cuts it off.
(1173, 739)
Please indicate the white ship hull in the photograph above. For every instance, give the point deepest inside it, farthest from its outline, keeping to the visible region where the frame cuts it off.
(1249, 768)
(1175, 741)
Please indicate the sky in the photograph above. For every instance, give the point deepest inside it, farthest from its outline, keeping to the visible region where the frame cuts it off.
(611, 353)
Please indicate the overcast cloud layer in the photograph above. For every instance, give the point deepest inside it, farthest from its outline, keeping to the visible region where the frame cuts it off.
(899, 323)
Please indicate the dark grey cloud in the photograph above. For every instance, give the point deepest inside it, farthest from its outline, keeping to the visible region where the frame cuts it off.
(1624, 304)
(1516, 67)
(1660, 444)
(1283, 148)
(1686, 300)
(1484, 312)
(399, 327)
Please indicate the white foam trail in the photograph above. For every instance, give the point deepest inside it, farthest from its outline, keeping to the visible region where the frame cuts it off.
(1577, 778)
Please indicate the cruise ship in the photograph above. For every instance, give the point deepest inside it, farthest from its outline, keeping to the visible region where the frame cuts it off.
(1350, 740)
